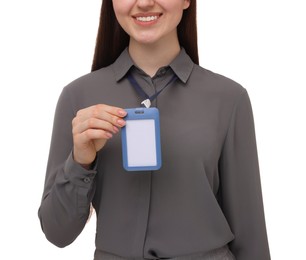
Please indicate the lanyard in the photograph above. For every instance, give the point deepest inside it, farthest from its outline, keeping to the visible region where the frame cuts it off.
(141, 92)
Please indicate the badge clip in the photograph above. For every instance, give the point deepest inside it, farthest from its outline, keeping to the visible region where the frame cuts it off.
(146, 103)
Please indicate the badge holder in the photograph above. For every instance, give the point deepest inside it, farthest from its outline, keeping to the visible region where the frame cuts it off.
(140, 136)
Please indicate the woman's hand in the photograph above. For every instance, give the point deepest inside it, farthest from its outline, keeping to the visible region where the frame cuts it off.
(91, 128)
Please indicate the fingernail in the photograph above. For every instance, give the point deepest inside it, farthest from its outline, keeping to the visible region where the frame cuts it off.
(109, 135)
(121, 122)
(122, 113)
(116, 130)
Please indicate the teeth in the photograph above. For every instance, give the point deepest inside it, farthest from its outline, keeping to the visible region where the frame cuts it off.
(147, 19)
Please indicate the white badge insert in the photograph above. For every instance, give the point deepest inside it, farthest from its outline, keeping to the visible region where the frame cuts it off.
(141, 143)
(141, 140)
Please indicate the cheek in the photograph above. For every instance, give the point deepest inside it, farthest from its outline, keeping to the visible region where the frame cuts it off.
(173, 5)
(122, 8)
(176, 18)
(174, 9)
(118, 8)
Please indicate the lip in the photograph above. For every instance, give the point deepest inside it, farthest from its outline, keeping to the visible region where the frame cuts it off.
(146, 15)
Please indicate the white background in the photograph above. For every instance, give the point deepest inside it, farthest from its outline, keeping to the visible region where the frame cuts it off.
(47, 44)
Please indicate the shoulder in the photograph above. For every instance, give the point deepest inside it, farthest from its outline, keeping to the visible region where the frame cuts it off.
(89, 89)
(215, 83)
(91, 80)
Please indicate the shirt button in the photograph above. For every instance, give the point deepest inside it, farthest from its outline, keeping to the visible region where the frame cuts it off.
(87, 180)
(163, 71)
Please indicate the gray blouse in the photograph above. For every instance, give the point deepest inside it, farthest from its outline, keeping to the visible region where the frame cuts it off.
(207, 193)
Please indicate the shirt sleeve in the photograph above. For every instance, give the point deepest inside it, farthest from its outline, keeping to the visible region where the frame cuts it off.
(241, 195)
(69, 187)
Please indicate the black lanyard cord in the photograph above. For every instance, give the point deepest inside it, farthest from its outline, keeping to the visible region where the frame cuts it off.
(142, 93)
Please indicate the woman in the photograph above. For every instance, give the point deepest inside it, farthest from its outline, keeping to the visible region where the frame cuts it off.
(205, 202)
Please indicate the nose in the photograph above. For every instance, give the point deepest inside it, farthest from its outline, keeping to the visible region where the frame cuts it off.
(145, 3)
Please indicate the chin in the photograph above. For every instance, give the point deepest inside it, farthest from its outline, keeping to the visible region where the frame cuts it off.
(147, 42)
(146, 39)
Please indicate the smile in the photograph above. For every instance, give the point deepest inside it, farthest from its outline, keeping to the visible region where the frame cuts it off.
(147, 18)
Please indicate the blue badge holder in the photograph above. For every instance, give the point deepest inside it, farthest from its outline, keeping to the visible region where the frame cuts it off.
(140, 137)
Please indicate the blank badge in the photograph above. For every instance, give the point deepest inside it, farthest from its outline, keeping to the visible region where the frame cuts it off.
(140, 136)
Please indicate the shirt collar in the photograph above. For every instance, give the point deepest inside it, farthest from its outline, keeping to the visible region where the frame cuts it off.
(182, 65)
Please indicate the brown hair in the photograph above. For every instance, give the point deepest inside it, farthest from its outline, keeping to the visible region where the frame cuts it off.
(112, 39)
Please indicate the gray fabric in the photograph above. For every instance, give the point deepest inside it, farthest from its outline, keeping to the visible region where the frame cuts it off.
(207, 192)
(222, 253)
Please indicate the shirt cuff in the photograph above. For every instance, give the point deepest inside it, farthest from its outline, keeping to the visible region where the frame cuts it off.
(77, 174)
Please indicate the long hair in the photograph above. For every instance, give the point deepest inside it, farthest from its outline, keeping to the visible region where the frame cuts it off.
(112, 39)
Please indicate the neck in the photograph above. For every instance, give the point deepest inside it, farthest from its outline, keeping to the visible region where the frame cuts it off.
(151, 57)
